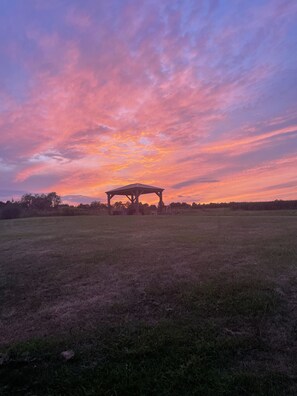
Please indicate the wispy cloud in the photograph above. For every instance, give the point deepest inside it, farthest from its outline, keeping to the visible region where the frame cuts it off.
(191, 182)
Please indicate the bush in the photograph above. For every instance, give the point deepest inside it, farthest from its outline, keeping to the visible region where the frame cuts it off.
(11, 211)
(68, 212)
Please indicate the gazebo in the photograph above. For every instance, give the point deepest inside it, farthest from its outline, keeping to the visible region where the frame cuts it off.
(133, 191)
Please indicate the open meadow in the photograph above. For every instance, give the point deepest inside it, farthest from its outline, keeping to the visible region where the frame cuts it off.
(150, 305)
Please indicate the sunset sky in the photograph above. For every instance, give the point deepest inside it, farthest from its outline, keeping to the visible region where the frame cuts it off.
(197, 97)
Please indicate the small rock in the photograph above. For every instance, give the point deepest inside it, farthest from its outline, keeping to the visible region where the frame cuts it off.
(67, 355)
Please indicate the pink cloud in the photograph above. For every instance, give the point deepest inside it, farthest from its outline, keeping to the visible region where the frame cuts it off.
(129, 107)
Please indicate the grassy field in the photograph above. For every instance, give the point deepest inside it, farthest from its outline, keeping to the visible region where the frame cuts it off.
(176, 305)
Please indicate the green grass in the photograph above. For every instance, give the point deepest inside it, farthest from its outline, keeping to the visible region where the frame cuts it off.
(177, 305)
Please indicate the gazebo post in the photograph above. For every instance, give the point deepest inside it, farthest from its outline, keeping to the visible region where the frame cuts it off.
(160, 205)
(137, 202)
(108, 203)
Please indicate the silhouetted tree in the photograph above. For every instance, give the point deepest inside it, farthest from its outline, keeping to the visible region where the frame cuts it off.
(119, 205)
(95, 205)
(54, 198)
(40, 201)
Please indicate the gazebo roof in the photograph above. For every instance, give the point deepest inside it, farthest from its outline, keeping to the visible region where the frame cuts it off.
(131, 188)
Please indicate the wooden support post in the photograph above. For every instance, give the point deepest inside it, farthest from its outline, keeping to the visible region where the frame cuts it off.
(137, 202)
(108, 203)
(161, 204)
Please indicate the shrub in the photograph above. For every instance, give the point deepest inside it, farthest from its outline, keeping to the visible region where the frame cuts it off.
(11, 211)
(68, 212)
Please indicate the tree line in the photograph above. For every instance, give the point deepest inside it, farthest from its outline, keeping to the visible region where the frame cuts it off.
(264, 205)
(30, 204)
(51, 205)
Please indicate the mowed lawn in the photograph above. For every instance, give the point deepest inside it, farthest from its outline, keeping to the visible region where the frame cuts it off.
(150, 305)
